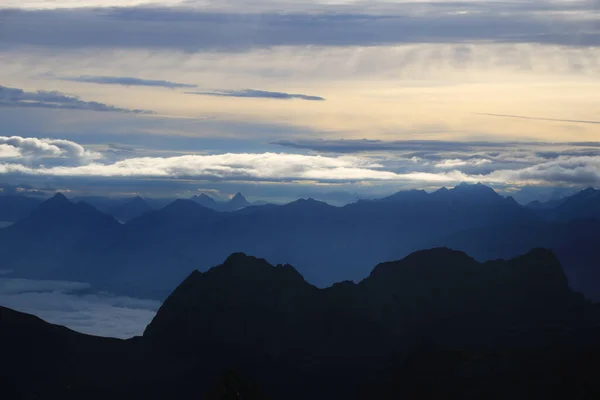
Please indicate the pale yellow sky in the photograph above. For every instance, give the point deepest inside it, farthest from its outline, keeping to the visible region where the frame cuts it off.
(394, 92)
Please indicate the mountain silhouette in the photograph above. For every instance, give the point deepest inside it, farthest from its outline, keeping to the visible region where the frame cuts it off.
(436, 323)
(581, 205)
(237, 202)
(206, 201)
(150, 254)
(57, 230)
(129, 210)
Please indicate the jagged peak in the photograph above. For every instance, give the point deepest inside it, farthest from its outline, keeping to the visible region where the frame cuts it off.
(242, 261)
(239, 199)
(202, 196)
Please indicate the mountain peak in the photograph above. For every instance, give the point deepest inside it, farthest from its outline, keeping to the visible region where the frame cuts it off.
(238, 257)
(238, 196)
(58, 198)
(238, 201)
(310, 202)
(413, 194)
(474, 187)
(439, 256)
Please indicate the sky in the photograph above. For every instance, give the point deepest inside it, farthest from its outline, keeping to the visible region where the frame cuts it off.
(335, 100)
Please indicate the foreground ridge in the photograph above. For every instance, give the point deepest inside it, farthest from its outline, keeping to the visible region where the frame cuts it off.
(436, 324)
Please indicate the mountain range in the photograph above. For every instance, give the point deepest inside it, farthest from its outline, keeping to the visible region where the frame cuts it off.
(150, 253)
(436, 324)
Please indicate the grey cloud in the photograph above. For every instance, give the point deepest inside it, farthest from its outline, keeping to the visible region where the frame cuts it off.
(576, 121)
(196, 30)
(15, 285)
(13, 97)
(127, 81)
(260, 94)
(64, 303)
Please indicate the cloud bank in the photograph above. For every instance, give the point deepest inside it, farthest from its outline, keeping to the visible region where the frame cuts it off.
(13, 97)
(259, 94)
(415, 162)
(73, 305)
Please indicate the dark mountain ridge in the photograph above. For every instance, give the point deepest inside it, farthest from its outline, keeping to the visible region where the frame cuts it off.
(436, 324)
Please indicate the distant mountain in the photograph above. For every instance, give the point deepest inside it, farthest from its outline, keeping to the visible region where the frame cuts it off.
(15, 207)
(150, 254)
(206, 201)
(59, 213)
(130, 210)
(436, 324)
(237, 202)
(584, 204)
(58, 235)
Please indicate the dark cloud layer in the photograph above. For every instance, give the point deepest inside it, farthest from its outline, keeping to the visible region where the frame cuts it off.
(259, 94)
(13, 97)
(126, 81)
(194, 30)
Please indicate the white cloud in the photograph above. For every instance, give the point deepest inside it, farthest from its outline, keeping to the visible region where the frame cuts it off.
(447, 164)
(38, 151)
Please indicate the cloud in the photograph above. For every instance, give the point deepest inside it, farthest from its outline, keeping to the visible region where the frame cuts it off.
(14, 286)
(454, 163)
(72, 304)
(127, 81)
(260, 94)
(417, 163)
(34, 151)
(582, 171)
(13, 97)
(575, 121)
(229, 166)
(362, 24)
